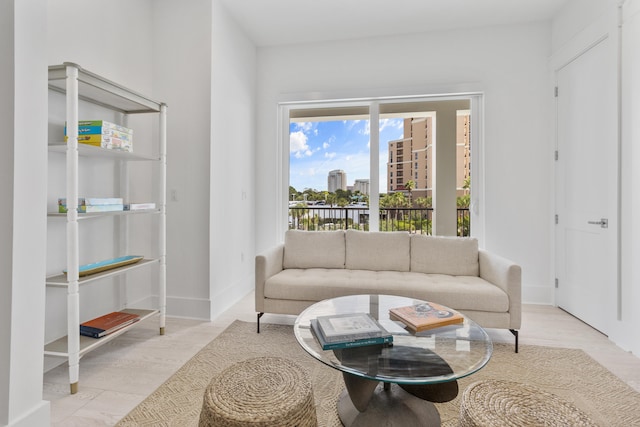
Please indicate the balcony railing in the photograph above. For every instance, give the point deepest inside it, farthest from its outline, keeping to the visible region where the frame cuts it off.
(414, 220)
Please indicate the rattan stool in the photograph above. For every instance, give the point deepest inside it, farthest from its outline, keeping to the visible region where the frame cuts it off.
(507, 403)
(264, 391)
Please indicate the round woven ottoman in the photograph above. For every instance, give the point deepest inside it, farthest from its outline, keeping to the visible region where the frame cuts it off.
(264, 391)
(507, 403)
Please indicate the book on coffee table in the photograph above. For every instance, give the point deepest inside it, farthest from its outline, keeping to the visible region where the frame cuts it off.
(424, 316)
(349, 330)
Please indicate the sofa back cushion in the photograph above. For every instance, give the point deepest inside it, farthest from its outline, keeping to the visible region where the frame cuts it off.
(378, 251)
(456, 256)
(313, 249)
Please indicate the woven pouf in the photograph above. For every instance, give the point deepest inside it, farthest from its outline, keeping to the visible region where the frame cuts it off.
(507, 403)
(264, 391)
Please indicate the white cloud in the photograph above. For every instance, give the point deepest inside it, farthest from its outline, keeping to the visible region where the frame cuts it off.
(330, 155)
(393, 123)
(366, 130)
(304, 126)
(298, 144)
(326, 145)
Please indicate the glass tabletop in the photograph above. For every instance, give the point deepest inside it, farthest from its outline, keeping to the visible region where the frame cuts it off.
(433, 356)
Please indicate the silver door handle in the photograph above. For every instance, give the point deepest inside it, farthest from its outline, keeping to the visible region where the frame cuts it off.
(603, 223)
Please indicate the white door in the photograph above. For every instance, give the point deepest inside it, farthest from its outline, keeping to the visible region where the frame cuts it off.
(586, 187)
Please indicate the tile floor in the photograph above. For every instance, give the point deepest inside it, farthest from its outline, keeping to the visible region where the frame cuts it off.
(119, 375)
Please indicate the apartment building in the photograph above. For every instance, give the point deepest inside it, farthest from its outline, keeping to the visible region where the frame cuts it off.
(361, 185)
(337, 180)
(411, 158)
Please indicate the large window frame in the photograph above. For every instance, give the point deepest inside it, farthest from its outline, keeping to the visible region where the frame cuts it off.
(303, 108)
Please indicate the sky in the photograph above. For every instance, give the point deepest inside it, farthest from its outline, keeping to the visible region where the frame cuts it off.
(315, 148)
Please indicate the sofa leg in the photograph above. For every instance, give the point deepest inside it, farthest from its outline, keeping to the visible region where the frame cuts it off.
(258, 320)
(515, 334)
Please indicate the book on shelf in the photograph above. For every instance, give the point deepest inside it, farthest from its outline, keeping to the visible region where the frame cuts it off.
(101, 133)
(424, 316)
(94, 204)
(107, 324)
(99, 127)
(95, 201)
(93, 208)
(349, 330)
(139, 206)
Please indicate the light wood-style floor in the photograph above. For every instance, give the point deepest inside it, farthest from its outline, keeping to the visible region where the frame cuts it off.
(119, 375)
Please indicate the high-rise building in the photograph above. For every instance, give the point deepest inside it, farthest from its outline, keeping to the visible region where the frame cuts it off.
(361, 185)
(411, 158)
(337, 180)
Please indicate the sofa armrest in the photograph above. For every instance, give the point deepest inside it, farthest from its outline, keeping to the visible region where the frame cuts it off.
(268, 263)
(507, 275)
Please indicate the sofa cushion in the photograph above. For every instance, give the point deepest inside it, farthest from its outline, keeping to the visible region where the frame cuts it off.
(460, 293)
(314, 249)
(456, 256)
(378, 251)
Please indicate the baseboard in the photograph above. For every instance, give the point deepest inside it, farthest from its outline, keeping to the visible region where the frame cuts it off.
(224, 299)
(191, 308)
(39, 415)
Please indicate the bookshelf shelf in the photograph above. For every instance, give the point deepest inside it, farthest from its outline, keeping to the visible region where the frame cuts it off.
(85, 150)
(60, 280)
(92, 215)
(82, 88)
(59, 348)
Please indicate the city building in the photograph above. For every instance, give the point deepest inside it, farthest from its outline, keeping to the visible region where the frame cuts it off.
(337, 180)
(361, 185)
(411, 158)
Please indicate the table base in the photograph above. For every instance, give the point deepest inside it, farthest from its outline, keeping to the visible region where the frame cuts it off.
(388, 407)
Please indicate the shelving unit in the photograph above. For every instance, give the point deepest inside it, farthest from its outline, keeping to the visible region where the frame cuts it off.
(78, 84)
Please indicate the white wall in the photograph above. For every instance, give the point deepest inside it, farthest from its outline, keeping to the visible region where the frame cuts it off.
(182, 49)
(627, 332)
(508, 64)
(232, 195)
(23, 116)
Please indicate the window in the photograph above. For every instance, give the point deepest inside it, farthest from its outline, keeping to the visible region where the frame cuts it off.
(391, 113)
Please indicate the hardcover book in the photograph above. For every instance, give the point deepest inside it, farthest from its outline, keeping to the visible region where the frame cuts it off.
(350, 343)
(349, 330)
(107, 324)
(428, 315)
(139, 206)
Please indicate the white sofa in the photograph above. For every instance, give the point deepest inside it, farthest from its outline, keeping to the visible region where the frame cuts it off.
(313, 266)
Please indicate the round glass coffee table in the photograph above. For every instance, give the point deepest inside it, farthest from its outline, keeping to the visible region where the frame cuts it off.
(396, 384)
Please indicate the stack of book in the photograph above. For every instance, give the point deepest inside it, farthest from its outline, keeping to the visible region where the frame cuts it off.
(94, 204)
(349, 330)
(101, 133)
(107, 324)
(424, 316)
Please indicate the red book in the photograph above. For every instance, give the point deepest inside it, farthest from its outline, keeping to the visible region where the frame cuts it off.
(425, 316)
(104, 325)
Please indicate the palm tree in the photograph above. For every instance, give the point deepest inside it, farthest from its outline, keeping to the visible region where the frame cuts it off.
(409, 186)
(424, 202)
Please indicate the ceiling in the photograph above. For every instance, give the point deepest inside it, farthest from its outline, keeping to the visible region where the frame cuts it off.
(279, 22)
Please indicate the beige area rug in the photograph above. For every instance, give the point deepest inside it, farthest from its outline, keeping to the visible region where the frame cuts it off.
(569, 373)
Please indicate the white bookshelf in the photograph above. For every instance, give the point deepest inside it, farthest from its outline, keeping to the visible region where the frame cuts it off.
(78, 86)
